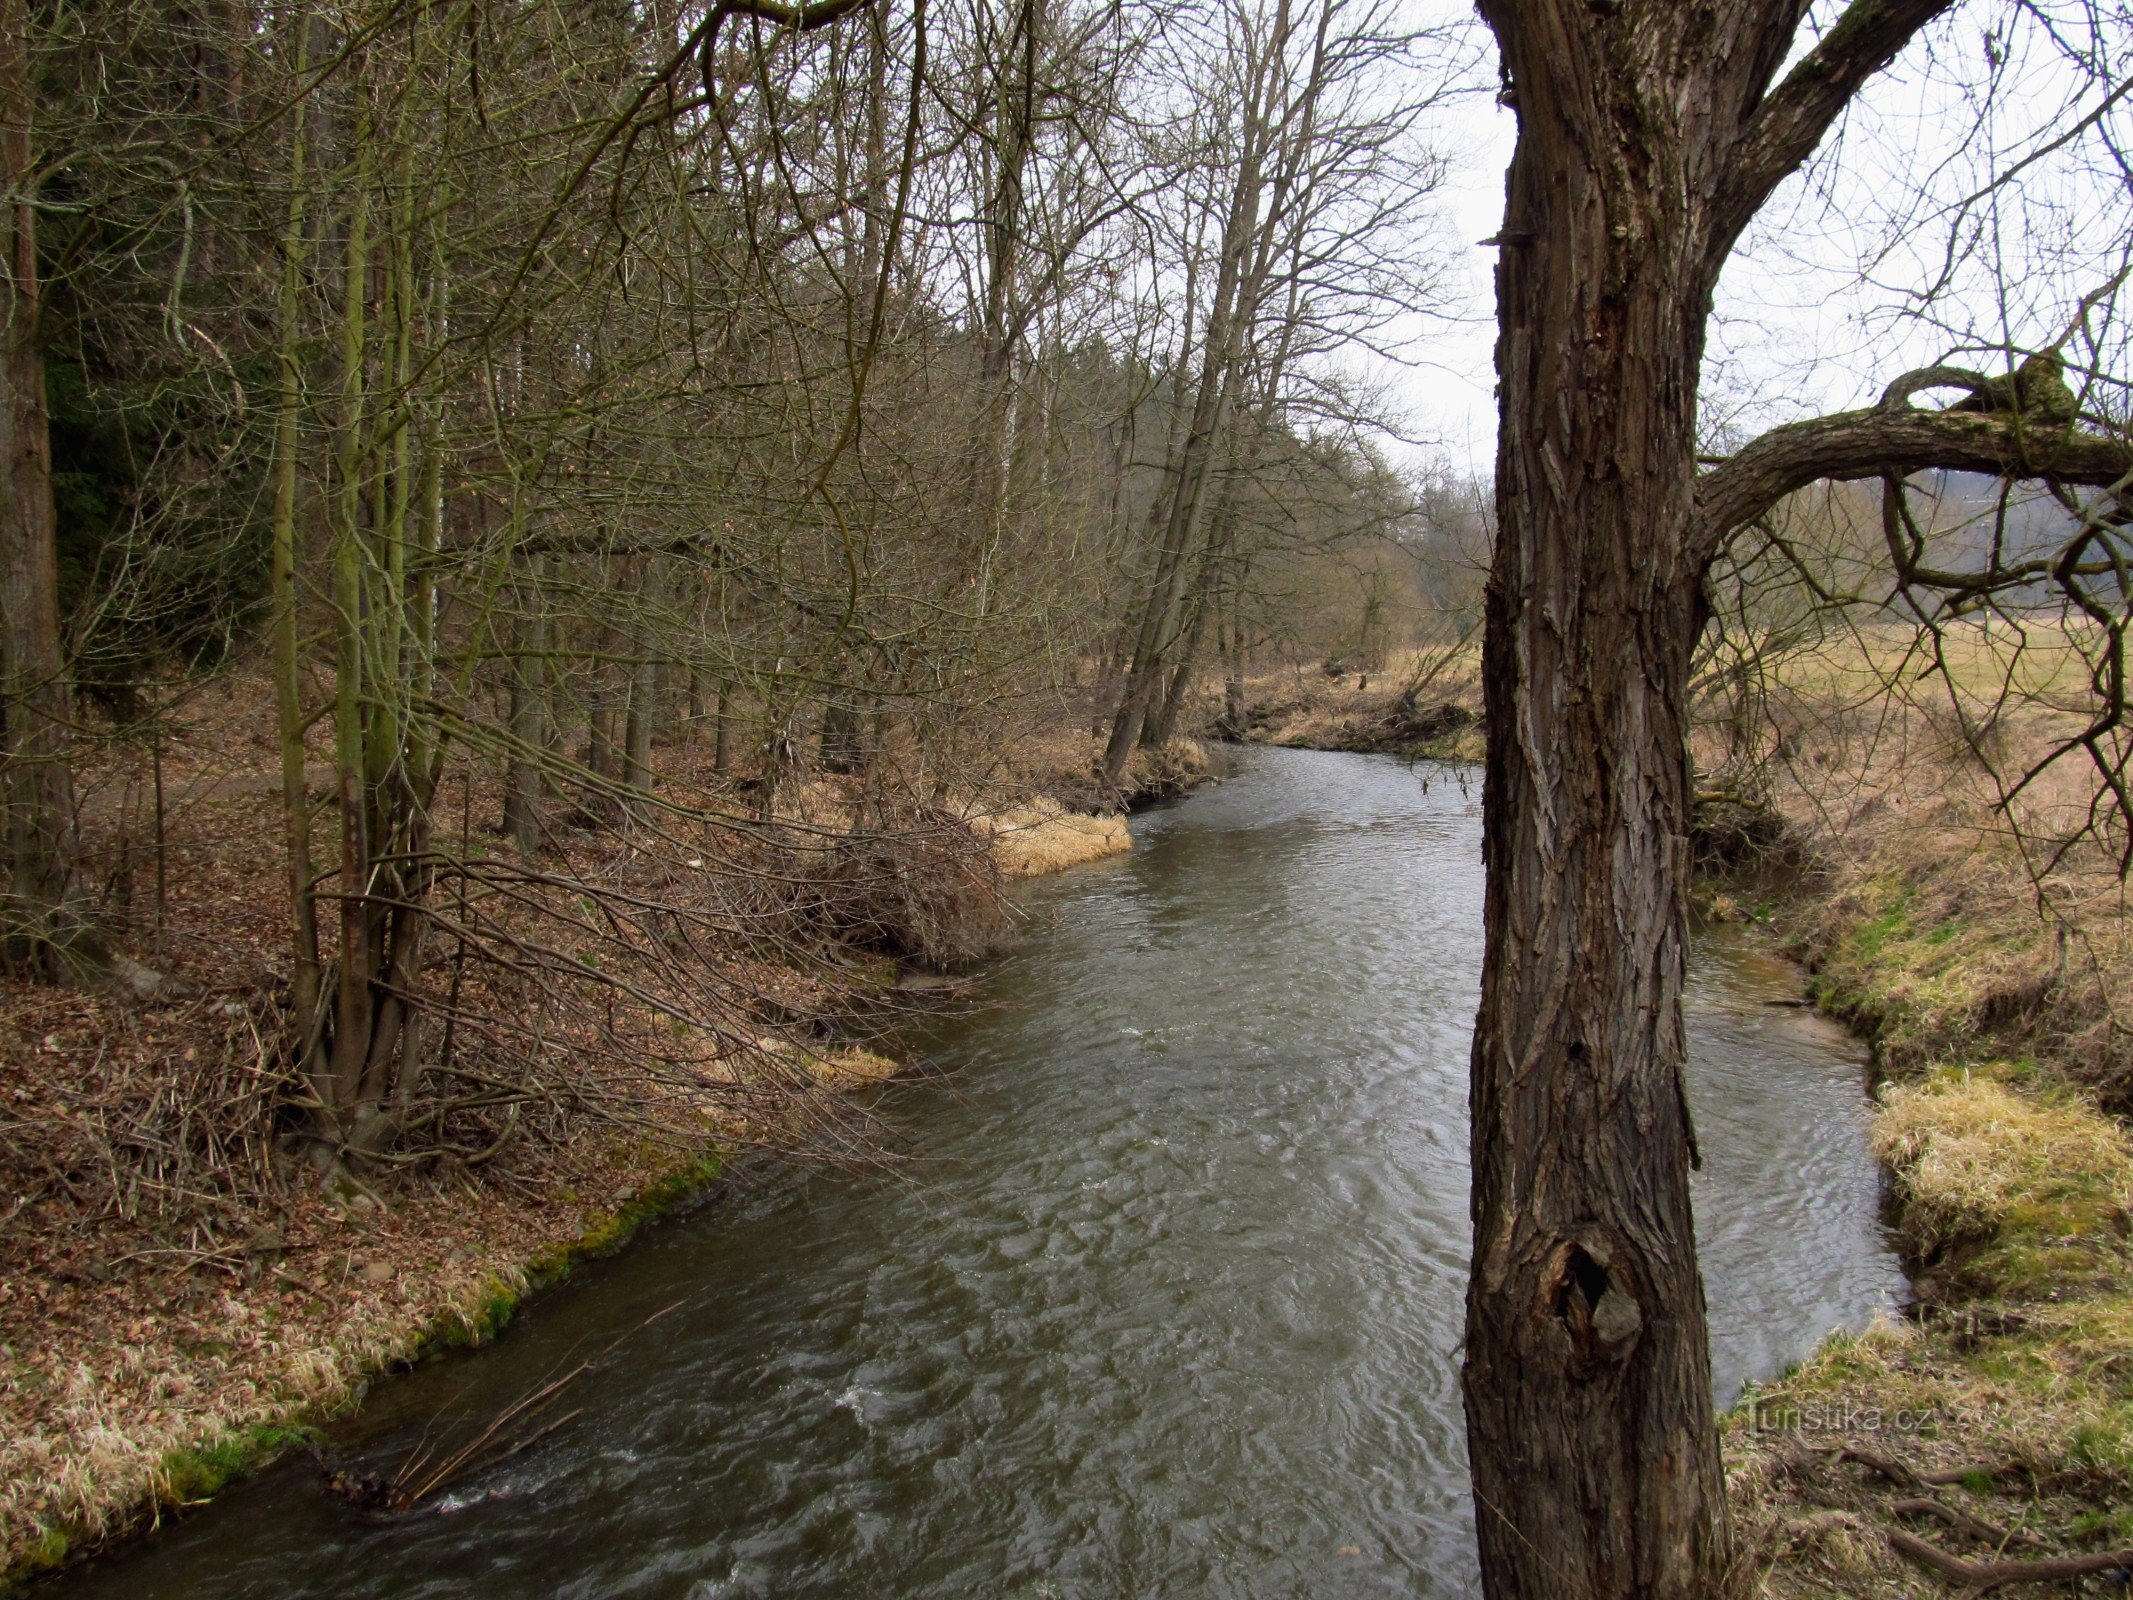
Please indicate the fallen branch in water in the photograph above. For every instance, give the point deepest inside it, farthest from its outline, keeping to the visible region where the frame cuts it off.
(1981, 1576)
(422, 1478)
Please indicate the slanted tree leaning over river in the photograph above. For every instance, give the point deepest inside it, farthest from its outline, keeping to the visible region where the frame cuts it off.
(1650, 133)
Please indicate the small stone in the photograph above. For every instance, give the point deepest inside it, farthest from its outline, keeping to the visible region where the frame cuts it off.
(375, 1272)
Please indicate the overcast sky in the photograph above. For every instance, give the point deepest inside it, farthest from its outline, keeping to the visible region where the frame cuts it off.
(1821, 305)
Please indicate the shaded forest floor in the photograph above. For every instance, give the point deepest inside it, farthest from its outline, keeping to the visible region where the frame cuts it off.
(182, 1297)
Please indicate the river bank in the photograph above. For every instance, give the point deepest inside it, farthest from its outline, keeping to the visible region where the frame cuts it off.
(1168, 1303)
(158, 1348)
(1421, 706)
(2010, 1194)
(1994, 1421)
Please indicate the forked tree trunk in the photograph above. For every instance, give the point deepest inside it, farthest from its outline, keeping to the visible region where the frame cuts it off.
(36, 779)
(1645, 143)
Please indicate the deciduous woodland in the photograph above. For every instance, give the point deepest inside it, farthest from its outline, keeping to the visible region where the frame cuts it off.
(554, 557)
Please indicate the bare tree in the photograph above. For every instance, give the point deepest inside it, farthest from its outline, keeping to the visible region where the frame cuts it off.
(36, 916)
(1649, 136)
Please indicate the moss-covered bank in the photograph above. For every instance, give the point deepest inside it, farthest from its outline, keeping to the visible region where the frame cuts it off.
(1994, 1422)
(465, 1308)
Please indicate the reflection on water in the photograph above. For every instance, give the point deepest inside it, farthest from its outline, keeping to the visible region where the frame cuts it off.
(1170, 1304)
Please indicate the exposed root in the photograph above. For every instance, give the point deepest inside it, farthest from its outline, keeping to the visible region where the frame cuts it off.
(1962, 1522)
(1983, 1576)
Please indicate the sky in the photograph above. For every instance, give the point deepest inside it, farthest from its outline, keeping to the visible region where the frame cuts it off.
(1826, 298)
(1449, 395)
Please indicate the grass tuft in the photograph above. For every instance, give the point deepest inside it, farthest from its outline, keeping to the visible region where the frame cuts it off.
(2015, 1177)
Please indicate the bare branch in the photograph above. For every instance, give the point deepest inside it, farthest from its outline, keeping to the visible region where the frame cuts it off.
(1784, 129)
(1854, 445)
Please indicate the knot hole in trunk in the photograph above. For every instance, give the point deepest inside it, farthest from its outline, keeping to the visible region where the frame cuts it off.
(1597, 1307)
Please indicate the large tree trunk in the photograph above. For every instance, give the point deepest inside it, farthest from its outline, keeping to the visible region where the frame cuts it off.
(1646, 142)
(35, 915)
(1588, 1385)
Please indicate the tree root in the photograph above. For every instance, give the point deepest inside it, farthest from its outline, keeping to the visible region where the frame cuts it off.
(1962, 1522)
(1981, 1576)
(1902, 1473)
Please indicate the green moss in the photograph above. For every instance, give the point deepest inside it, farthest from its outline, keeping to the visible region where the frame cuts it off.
(2100, 1526)
(2105, 1445)
(1872, 936)
(465, 1330)
(188, 1476)
(2020, 1361)
(194, 1473)
(49, 1552)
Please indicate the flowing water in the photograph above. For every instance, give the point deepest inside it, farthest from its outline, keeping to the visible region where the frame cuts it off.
(1167, 1305)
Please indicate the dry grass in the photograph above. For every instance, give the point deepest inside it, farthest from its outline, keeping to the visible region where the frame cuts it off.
(1043, 836)
(1992, 971)
(853, 1066)
(129, 1394)
(178, 1294)
(2014, 1383)
(1944, 918)
(1973, 1160)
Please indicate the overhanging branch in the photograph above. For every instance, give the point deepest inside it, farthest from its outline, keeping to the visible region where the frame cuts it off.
(1876, 443)
(802, 17)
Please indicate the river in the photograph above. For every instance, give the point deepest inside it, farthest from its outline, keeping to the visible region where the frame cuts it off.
(1167, 1302)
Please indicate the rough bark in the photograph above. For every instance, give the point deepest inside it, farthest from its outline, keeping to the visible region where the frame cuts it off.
(306, 970)
(1646, 141)
(525, 785)
(37, 921)
(1898, 439)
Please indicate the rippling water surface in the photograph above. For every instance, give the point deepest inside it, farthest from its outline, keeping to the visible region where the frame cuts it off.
(1168, 1306)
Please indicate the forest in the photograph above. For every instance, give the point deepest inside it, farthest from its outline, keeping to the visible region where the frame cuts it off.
(562, 562)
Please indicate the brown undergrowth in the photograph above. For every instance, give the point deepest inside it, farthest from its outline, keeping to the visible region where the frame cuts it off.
(181, 1297)
(1986, 1438)
(1422, 703)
